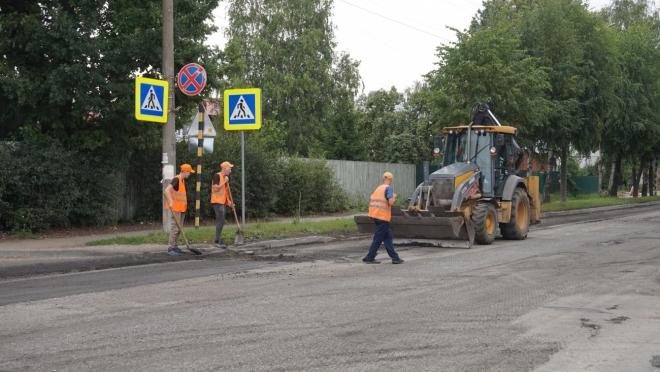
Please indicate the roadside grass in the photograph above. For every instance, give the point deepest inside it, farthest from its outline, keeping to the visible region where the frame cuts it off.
(279, 230)
(23, 234)
(253, 231)
(590, 201)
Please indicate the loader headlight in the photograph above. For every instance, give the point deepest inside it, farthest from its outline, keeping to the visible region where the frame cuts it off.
(436, 150)
(493, 151)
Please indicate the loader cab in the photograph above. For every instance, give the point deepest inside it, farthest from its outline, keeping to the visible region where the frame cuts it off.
(492, 149)
(505, 156)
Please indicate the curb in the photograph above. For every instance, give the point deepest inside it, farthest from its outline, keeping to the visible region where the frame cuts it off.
(43, 253)
(78, 252)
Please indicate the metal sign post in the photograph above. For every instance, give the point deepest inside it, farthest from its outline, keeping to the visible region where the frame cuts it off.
(152, 103)
(243, 177)
(242, 112)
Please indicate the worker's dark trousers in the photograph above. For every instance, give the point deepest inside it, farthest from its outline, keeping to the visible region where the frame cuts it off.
(219, 210)
(383, 235)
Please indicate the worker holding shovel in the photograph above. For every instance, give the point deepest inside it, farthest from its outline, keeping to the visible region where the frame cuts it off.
(177, 201)
(220, 199)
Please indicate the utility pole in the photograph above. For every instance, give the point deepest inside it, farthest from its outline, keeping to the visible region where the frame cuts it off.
(169, 141)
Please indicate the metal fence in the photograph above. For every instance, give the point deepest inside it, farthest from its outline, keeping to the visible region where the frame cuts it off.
(360, 179)
(585, 184)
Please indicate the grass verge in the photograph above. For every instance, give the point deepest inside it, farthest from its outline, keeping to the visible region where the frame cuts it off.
(279, 230)
(253, 231)
(591, 201)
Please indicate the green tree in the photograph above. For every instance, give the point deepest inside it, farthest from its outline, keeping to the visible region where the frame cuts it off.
(379, 111)
(287, 48)
(67, 69)
(489, 64)
(396, 126)
(633, 132)
(340, 135)
(573, 45)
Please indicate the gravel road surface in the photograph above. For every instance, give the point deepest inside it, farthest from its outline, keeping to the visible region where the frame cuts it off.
(580, 294)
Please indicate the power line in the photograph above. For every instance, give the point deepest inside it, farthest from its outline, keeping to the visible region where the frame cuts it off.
(394, 20)
(477, 5)
(458, 7)
(401, 53)
(403, 16)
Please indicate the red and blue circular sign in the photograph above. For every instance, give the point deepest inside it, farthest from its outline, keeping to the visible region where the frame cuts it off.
(192, 79)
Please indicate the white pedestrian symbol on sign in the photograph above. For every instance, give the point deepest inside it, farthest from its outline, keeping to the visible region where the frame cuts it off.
(151, 101)
(242, 111)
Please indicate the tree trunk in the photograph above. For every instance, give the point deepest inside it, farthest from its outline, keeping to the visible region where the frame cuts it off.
(637, 176)
(652, 180)
(613, 186)
(633, 189)
(635, 181)
(564, 170)
(548, 178)
(644, 173)
(600, 173)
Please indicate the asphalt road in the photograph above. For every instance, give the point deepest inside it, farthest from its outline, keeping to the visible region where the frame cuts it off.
(580, 294)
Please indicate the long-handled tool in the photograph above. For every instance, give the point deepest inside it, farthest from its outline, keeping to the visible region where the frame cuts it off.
(239, 237)
(178, 224)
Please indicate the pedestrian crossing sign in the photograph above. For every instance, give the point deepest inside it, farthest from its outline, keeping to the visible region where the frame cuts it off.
(151, 98)
(242, 109)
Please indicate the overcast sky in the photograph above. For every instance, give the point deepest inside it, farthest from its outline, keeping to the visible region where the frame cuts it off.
(394, 40)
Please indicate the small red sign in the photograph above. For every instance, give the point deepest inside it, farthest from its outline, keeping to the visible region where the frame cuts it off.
(192, 79)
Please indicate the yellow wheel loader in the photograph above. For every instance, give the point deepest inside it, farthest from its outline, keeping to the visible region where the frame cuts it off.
(475, 192)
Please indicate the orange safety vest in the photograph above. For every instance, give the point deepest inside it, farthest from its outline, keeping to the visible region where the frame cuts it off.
(378, 206)
(220, 196)
(179, 197)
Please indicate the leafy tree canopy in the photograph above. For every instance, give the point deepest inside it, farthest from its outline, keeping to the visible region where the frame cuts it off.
(287, 48)
(67, 67)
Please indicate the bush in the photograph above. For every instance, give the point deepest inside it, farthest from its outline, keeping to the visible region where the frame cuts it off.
(272, 183)
(46, 186)
(261, 177)
(144, 177)
(308, 186)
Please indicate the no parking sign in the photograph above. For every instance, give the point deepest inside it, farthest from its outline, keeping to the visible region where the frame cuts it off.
(192, 79)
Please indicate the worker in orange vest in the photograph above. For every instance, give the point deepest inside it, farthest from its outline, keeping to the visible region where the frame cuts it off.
(220, 198)
(380, 209)
(177, 201)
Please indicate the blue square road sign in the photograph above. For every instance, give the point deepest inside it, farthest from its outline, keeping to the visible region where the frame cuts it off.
(242, 109)
(151, 99)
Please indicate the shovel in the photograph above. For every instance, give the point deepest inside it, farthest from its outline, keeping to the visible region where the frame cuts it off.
(178, 224)
(239, 237)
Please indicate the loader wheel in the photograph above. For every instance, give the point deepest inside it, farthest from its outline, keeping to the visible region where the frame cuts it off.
(484, 219)
(518, 226)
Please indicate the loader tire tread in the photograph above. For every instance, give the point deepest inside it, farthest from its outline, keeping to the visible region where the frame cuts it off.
(484, 231)
(515, 229)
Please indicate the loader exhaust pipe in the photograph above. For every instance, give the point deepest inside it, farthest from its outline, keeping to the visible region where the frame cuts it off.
(469, 141)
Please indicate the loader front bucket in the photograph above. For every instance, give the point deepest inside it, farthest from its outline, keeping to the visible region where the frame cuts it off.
(451, 230)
